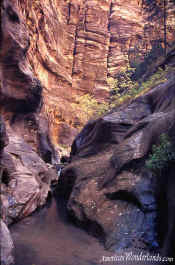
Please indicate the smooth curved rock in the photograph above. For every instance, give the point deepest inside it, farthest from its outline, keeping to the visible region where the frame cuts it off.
(20, 90)
(21, 93)
(6, 245)
(111, 191)
(72, 47)
(26, 180)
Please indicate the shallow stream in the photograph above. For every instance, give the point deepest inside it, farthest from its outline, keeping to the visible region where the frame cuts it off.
(47, 237)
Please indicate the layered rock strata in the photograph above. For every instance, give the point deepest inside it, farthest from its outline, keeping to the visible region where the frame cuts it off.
(72, 47)
(25, 175)
(21, 97)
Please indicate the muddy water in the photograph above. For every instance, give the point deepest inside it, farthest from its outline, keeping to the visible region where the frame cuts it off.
(48, 238)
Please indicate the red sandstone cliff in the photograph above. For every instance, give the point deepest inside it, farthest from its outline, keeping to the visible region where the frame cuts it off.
(50, 53)
(72, 46)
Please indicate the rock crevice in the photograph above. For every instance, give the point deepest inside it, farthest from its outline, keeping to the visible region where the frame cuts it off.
(113, 187)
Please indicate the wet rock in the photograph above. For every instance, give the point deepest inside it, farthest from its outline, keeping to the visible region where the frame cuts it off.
(111, 191)
(6, 244)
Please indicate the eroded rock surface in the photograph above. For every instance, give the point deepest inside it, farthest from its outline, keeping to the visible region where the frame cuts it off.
(25, 173)
(109, 188)
(6, 244)
(3, 137)
(72, 47)
(26, 180)
(25, 177)
(21, 96)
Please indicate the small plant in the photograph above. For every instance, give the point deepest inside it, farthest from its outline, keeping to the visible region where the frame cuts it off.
(122, 83)
(161, 155)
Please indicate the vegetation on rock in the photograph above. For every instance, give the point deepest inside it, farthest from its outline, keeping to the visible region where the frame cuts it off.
(89, 107)
(161, 155)
(122, 89)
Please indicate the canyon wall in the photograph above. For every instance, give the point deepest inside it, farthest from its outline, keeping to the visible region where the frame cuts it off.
(53, 52)
(117, 184)
(25, 177)
(72, 47)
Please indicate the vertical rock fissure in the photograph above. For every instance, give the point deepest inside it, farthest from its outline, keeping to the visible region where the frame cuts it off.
(74, 50)
(84, 42)
(165, 26)
(69, 12)
(85, 18)
(109, 32)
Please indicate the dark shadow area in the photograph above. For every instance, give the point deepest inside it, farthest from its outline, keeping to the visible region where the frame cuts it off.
(124, 195)
(48, 237)
(27, 255)
(65, 184)
(5, 177)
(12, 15)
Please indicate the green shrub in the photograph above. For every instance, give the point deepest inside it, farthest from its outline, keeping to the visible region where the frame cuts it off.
(122, 83)
(123, 89)
(126, 89)
(161, 155)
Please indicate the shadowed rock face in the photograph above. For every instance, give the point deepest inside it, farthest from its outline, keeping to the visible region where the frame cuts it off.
(72, 47)
(26, 180)
(6, 243)
(20, 91)
(25, 177)
(109, 188)
(21, 97)
(3, 136)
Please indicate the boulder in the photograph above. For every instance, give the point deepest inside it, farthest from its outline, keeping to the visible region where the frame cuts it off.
(110, 190)
(6, 245)
(26, 180)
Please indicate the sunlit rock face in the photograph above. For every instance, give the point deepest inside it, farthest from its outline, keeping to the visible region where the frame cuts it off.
(73, 46)
(68, 52)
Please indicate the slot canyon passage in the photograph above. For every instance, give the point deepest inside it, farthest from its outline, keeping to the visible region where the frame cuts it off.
(87, 132)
